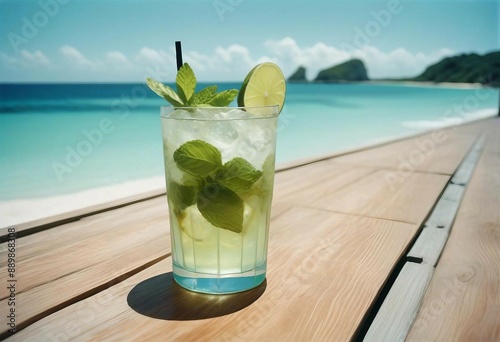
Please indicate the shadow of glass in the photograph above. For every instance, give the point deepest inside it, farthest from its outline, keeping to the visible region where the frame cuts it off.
(161, 297)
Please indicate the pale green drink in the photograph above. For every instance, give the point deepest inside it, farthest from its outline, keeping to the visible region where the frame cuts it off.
(219, 166)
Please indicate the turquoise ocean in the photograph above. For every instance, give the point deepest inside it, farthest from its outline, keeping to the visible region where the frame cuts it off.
(58, 139)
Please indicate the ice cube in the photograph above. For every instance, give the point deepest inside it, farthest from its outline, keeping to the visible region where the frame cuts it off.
(225, 132)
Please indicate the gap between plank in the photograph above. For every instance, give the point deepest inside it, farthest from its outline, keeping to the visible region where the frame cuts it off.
(362, 330)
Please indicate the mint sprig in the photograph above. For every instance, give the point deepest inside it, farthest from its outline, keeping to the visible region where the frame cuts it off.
(219, 186)
(238, 174)
(186, 95)
(198, 158)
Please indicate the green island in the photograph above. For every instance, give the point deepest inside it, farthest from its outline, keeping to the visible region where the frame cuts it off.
(463, 68)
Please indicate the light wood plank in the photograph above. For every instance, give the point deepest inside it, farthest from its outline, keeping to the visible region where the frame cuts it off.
(453, 192)
(397, 313)
(315, 181)
(56, 269)
(318, 292)
(464, 173)
(429, 245)
(443, 214)
(103, 234)
(462, 177)
(83, 211)
(98, 226)
(373, 196)
(463, 299)
(437, 152)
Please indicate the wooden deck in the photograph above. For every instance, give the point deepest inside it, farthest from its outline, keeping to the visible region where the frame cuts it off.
(342, 230)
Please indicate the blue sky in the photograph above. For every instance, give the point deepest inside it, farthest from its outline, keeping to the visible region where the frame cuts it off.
(125, 40)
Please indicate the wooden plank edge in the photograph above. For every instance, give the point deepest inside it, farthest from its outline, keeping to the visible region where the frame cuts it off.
(463, 174)
(443, 214)
(430, 243)
(4, 332)
(428, 247)
(39, 225)
(399, 310)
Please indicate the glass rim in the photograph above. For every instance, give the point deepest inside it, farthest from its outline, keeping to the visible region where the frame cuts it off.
(272, 112)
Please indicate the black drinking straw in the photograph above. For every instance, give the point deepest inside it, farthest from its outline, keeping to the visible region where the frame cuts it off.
(178, 54)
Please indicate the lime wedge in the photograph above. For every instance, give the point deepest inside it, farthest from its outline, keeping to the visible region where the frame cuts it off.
(264, 86)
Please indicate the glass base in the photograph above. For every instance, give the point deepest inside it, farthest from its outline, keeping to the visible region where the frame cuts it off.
(219, 284)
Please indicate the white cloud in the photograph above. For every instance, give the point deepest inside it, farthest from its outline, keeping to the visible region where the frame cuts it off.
(398, 62)
(148, 55)
(117, 61)
(34, 59)
(225, 63)
(155, 63)
(152, 57)
(380, 64)
(116, 57)
(314, 58)
(75, 57)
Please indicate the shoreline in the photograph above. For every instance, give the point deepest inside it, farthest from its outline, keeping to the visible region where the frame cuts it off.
(416, 84)
(28, 213)
(427, 84)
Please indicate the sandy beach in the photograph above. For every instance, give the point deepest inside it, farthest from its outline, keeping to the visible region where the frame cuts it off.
(34, 212)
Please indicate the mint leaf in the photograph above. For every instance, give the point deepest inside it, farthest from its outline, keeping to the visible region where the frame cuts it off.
(164, 91)
(224, 98)
(238, 174)
(186, 83)
(204, 96)
(186, 96)
(198, 158)
(181, 196)
(221, 207)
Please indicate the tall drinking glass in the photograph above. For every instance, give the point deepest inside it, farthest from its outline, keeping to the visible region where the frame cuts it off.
(219, 167)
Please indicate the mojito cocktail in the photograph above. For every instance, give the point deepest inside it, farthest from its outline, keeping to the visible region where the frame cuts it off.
(219, 168)
(219, 164)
